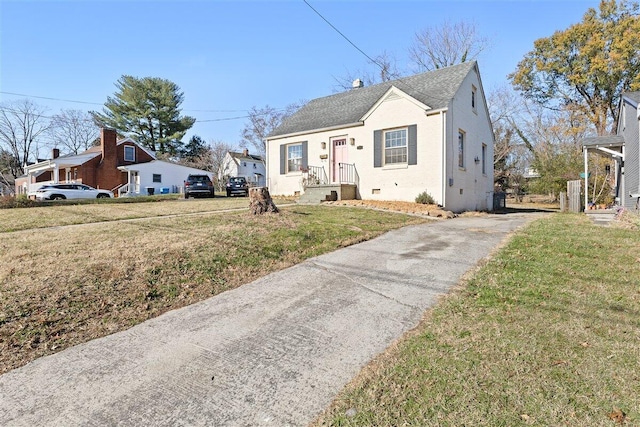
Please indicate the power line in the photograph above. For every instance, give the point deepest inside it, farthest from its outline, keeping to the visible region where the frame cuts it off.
(50, 99)
(402, 80)
(343, 36)
(96, 103)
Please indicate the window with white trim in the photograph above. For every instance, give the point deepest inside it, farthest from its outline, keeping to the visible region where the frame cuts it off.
(484, 159)
(460, 149)
(395, 146)
(129, 153)
(294, 157)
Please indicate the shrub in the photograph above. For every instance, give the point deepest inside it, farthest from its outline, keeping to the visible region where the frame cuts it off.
(425, 198)
(22, 201)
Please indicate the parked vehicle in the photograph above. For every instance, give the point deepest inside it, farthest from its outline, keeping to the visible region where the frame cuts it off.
(198, 185)
(237, 185)
(70, 191)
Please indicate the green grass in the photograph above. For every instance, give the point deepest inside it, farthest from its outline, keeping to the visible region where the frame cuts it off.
(72, 212)
(546, 333)
(61, 286)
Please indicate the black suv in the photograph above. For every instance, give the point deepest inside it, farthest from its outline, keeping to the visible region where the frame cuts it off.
(237, 185)
(198, 185)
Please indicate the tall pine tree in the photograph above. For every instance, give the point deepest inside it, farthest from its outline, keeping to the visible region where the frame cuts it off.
(148, 110)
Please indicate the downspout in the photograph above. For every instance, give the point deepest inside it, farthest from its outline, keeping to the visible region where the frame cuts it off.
(444, 156)
(266, 165)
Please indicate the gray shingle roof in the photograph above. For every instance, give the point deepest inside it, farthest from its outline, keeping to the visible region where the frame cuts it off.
(433, 88)
(241, 156)
(607, 140)
(635, 96)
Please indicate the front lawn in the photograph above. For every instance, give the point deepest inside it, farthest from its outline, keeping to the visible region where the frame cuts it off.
(546, 333)
(61, 286)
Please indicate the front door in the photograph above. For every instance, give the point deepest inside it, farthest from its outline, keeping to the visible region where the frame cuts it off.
(340, 155)
(134, 185)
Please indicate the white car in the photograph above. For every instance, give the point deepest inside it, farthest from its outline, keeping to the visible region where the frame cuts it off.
(70, 191)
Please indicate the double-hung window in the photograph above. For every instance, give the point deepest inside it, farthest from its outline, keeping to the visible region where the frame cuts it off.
(129, 153)
(395, 146)
(294, 157)
(484, 159)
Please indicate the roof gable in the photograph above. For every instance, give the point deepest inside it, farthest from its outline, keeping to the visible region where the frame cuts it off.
(393, 93)
(128, 140)
(434, 89)
(242, 156)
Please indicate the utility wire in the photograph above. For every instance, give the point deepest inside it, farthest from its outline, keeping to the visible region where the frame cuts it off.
(400, 80)
(343, 36)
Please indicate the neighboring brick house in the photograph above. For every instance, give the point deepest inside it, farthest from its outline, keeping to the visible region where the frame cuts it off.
(390, 141)
(124, 167)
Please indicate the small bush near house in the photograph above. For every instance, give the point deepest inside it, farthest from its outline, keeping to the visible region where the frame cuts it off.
(425, 198)
(7, 202)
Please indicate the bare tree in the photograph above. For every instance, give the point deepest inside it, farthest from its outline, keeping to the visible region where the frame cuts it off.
(73, 130)
(385, 69)
(22, 124)
(221, 168)
(446, 45)
(262, 121)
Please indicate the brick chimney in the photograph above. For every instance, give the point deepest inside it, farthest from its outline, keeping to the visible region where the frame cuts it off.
(245, 152)
(107, 174)
(55, 153)
(108, 140)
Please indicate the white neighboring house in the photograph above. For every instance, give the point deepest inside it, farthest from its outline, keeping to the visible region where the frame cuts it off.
(391, 141)
(160, 176)
(250, 166)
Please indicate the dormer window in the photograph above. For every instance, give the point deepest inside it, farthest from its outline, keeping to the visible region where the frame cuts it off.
(129, 153)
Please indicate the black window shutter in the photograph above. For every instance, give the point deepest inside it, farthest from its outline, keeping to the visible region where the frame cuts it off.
(305, 155)
(377, 148)
(413, 145)
(283, 159)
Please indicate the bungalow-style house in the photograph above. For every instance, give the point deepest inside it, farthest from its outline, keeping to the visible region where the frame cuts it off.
(391, 141)
(123, 166)
(250, 166)
(624, 149)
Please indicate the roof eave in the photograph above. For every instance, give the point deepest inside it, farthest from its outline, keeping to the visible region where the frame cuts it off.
(310, 131)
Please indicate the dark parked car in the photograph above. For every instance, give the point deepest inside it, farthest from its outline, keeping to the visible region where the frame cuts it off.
(237, 185)
(198, 185)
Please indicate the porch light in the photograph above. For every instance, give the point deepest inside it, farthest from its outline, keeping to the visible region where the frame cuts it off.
(477, 160)
(352, 141)
(323, 145)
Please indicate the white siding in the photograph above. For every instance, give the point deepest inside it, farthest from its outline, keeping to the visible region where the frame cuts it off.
(173, 175)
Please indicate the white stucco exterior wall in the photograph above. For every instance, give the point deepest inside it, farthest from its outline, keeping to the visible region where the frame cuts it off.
(470, 189)
(436, 171)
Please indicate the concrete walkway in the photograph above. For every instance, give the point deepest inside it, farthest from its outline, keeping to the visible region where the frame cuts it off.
(274, 352)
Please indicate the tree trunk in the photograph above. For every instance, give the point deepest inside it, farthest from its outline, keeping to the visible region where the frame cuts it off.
(260, 201)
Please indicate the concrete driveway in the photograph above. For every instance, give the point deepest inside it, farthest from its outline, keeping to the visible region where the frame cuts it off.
(274, 352)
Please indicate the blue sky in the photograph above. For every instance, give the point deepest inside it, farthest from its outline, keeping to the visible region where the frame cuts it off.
(228, 56)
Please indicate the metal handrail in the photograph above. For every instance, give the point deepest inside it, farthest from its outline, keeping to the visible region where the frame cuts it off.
(314, 175)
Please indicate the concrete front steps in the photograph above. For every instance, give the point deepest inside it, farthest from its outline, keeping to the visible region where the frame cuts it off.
(601, 216)
(325, 193)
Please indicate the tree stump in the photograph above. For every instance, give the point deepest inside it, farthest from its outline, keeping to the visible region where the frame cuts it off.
(260, 201)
